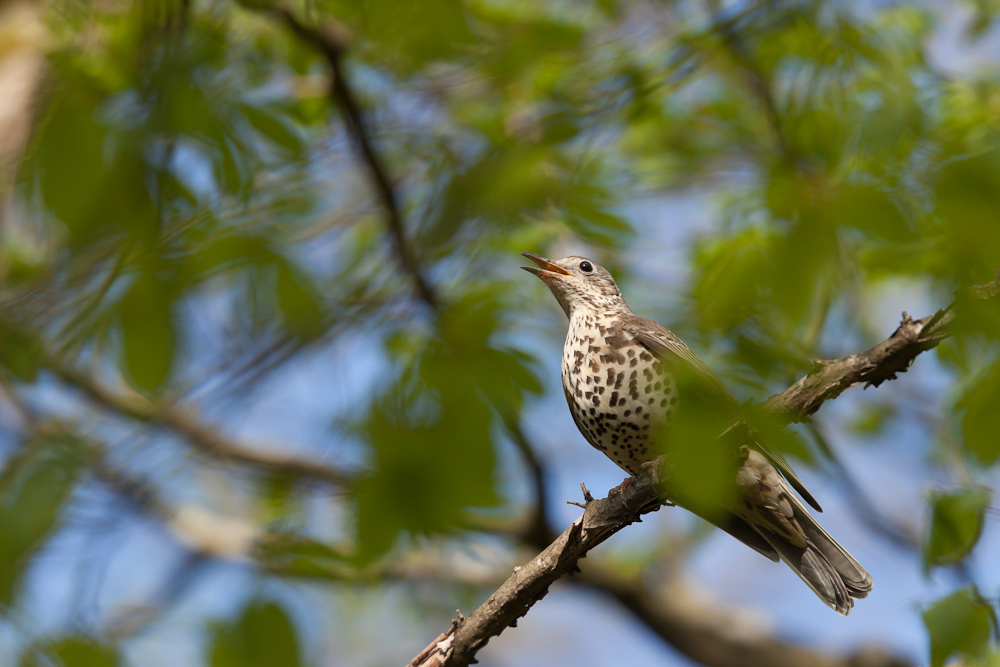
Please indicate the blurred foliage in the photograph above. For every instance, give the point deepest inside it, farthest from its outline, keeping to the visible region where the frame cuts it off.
(191, 211)
(263, 636)
(34, 486)
(960, 623)
(956, 524)
(70, 652)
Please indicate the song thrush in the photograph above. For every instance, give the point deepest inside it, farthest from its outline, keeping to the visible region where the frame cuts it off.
(625, 376)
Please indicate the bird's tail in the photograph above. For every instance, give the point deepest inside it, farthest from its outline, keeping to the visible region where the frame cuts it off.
(826, 567)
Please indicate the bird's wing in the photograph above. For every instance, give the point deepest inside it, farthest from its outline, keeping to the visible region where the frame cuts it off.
(670, 349)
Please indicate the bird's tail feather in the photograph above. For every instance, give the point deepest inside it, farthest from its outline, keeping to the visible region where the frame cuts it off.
(826, 567)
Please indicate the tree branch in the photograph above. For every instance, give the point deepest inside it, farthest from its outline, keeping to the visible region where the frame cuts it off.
(330, 40)
(203, 437)
(538, 530)
(711, 636)
(530, 583)
(828, 379)
(697, 636)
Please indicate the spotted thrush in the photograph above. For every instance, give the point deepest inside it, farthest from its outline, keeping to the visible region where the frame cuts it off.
(626, 378)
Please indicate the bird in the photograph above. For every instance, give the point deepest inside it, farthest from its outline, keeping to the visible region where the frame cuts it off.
(628, 380)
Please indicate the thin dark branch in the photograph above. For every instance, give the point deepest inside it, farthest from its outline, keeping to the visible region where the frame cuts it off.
(330, 41)
(756, 82)
(603, 518)
(538, 528)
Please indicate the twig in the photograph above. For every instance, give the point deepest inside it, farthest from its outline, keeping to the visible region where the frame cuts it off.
(330, 41)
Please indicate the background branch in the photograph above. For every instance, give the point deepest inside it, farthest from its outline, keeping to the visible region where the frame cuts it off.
(206, 439)
(330, 40)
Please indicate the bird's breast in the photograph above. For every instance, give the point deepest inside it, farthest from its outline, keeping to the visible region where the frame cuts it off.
(616, 390)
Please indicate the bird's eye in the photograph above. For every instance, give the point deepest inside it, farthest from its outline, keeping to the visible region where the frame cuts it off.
(586, 267)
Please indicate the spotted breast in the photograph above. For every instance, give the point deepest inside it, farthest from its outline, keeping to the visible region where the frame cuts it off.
(616, 390)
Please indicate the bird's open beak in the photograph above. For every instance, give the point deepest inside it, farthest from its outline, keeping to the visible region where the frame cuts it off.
(546, 270)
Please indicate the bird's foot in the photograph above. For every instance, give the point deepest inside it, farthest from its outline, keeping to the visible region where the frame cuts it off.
(652, 468)
(620, 489)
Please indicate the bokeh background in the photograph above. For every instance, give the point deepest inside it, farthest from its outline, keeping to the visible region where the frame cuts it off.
(274, 392)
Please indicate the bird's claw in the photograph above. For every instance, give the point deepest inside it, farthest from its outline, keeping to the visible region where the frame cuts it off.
(620, 489)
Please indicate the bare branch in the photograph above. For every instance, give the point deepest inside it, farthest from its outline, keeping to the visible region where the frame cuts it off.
(530, 583)
(330, 40)
(828, 379)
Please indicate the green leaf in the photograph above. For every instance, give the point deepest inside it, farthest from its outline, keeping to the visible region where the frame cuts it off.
(299, 302)
(867, 208)
(730, 273)
(263, 636)
(981, 420)
(501, 186)
(960, 623)
(411, 36)
(966, 200)
(432, 434)
(34, 486)
(871, 418)
(147, 325)
(590, 221)
(956, 524)
(19, 352)
(71, 180)
(272, 127)
(70, 652)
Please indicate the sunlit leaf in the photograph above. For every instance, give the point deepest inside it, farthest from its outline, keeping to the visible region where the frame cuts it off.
(433, 435)
(730, 275)
(966, 199)
(981, 421)
(960, 623)
(956, 524)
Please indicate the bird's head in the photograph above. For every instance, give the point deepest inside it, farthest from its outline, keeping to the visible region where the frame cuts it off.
(577, 282)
